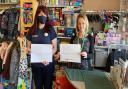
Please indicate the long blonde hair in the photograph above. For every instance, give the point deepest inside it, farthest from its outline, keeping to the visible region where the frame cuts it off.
(86, 22)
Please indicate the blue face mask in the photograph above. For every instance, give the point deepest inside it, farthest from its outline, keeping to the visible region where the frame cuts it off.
(42, 19)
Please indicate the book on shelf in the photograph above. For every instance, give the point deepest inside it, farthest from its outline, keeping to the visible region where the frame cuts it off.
(57, 2)
(47, 2)
(52, 13)
(61, 15)
(60, 31)
(57, 13)
(64, 2)
(67, 20)
(52, 2)
(61, 2)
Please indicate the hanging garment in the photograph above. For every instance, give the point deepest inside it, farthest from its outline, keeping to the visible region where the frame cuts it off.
(14, 65)
(21, 84)
(24, 72)
(6, 66)
(9, 22)
(12, 14)
(4, 21)
(4, 29)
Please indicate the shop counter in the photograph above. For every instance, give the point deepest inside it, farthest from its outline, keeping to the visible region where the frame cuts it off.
(83, 79)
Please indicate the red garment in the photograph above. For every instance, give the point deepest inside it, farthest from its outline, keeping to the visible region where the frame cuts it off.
(63, 83)
(6, 67)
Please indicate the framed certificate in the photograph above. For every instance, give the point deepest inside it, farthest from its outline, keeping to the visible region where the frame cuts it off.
(41, 52)
(70, 53)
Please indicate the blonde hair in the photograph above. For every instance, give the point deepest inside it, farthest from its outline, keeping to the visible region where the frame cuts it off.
(86, 22)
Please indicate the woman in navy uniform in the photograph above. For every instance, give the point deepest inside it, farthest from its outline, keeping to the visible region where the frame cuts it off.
(42, 32)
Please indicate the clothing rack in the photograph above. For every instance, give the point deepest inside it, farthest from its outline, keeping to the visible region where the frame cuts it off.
(104, 11)
(6, 8)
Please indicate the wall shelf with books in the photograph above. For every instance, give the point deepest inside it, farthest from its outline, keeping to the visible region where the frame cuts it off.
(62, 20)
(63, 15)
(60, 6)
(64, 37)
(64, 27)
(64, 2)
(8, 1)
(7, 5)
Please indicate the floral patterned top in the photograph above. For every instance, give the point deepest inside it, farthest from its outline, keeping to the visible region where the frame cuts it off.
(84, 43)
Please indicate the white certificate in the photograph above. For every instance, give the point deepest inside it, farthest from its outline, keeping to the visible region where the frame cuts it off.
(41, 52)
(70, 53)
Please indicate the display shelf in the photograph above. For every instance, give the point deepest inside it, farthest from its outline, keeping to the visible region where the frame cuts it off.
(62, 6)
(104, 47)
(63, 14)
(7, 5)
(64, 37)
(63, 27)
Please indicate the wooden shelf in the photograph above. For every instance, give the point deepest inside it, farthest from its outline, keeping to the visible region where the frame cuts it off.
(60, 6)
(66, 9)
(64, 27)
(64, 37)
(7, 5)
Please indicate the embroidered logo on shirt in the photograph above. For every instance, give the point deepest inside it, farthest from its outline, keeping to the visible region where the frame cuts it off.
(45, 34)
(34, 35)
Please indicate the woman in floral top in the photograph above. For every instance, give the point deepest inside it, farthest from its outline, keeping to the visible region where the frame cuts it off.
(81, 37)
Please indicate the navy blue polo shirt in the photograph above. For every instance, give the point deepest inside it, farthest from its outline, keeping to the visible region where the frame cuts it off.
(41, 37)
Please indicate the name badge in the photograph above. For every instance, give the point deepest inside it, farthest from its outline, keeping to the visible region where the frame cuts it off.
(45, 34)
(34, 35)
